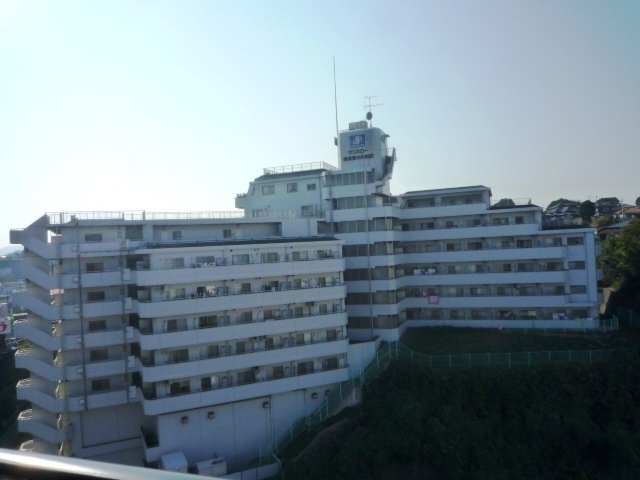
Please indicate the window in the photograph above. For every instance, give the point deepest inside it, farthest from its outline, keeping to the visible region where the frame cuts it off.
(242, 259)
(271, 257)
(177, 356)
(500, 221)
(246, 317)
(95, 267)
(93, 237)
(299, 256)
(575, 241)
(519, 220)
(268, 189)
(170, 263)
(213, 351)
(205, 260)
(98, 355)
(292, 187)
(179, 388)
(176, 235)
(96, 296)
(226, 233)
(576, 266)
(97, 325)
(311, 187)
(578, 289)
(307, 210)
(205, 384)
(474, 246)
(100, 385)
(208, 321)
(245, 288)
(248, 376)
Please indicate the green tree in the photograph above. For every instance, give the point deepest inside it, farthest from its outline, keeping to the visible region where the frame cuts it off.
(638, 202)
(620, 261)
(587, 210)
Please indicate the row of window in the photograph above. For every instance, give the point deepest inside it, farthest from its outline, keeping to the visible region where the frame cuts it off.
(445, 201)
(387, 297)
(239, 347)
(247, 376)
(292, 187)
(394, 321)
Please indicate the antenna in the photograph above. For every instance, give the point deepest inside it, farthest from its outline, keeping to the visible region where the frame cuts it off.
(335, 101)
(367, 106)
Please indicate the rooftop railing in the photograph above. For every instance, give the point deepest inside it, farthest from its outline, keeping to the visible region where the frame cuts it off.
(299, 167)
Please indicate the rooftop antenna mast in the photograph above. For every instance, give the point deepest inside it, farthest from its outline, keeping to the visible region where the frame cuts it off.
(367, 106)
(335, 101)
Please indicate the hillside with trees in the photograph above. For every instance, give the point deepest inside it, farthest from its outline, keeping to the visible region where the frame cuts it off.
(620, 262)
(552, 422)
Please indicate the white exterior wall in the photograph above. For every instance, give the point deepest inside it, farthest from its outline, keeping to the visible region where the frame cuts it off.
(101, 360)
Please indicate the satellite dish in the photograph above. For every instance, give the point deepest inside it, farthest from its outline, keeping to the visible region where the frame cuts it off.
(369, 115)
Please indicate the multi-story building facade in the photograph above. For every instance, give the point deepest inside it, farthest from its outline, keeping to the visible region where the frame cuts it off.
(149, 336)
(434, 257)
(152, 333)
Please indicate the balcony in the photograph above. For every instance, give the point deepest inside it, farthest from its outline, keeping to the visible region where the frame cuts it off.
(24, 269)
(38, 426)
(39, 331)
(209, 303)
(234, 393)
(489, 301)
(223, 270)
(235, 328)
(25, 238)
(27, 359)
(44, 397)
(37, 306)
(55, 400)
(241, 361)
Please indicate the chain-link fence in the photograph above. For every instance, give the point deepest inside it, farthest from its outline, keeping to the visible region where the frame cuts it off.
(627, 317)
(340, 395)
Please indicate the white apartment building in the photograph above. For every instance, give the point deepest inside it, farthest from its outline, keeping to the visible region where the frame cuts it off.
(210, 334)
(152, 335)
(434, 257)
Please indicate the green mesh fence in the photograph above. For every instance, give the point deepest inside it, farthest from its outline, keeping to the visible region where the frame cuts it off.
(517, 359)
(336, 399)
(625, 316)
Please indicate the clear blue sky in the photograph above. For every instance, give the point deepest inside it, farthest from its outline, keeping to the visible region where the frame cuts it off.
(177, 105)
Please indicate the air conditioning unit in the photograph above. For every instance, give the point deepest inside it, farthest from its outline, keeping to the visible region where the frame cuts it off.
(81, 401)
(131, 361)
(80, 370)
(76, 309)
(133, 391)
(78, 340)
(75, 279)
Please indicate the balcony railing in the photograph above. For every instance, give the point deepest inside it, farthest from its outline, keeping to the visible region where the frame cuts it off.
(225, 292)
(251, 350)
(227, 321)
(234, 383)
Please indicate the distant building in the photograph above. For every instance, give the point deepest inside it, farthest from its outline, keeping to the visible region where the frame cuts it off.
(201, 332)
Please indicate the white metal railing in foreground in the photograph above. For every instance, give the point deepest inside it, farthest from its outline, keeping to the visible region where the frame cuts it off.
(27, 466)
